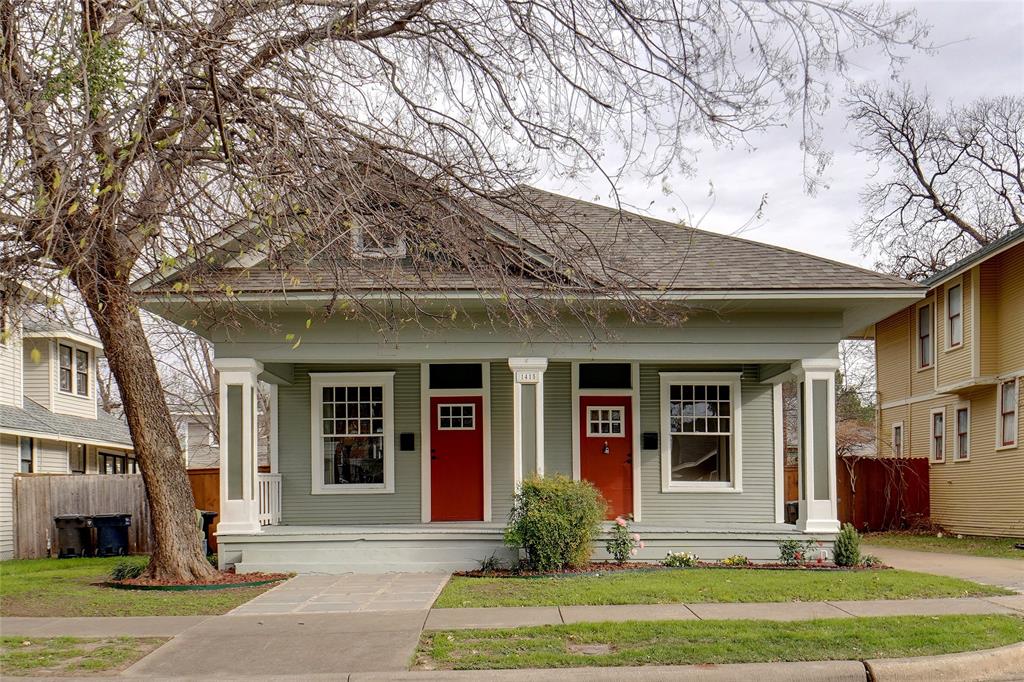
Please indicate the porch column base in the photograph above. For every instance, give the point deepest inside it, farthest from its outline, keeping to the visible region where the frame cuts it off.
(816, 516)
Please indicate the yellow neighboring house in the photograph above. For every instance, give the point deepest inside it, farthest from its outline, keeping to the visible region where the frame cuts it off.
(949, 388)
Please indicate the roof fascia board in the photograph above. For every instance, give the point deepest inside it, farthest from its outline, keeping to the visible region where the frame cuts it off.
(969, 263)
(80, 338)
(64, 438)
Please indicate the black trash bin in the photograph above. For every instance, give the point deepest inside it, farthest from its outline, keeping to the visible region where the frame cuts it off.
(208, 517)
(74, 539)
(111, 534)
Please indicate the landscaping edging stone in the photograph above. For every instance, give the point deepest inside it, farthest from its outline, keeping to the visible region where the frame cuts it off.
(188, 588)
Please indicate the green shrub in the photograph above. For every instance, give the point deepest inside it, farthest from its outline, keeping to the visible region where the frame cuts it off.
(793, 552)
(623, 543)
(870, 561)
(126, 569)
(847, 546)
(555, 520)
(680, 560)
(735, 560)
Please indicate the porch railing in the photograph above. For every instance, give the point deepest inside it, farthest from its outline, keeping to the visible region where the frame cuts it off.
(269, 498)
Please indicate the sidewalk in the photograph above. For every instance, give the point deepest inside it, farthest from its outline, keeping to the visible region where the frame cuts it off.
(1008, 573)
(508, 617)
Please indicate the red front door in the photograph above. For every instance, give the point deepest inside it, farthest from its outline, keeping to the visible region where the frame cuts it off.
(606, 449)
(456, 459)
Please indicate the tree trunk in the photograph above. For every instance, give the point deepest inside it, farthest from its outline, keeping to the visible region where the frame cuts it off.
(178, 554)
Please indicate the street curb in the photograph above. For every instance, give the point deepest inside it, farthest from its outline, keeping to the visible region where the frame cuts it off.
(1004, 663)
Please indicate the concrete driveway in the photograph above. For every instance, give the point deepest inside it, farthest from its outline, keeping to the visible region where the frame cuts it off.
(1008, 573)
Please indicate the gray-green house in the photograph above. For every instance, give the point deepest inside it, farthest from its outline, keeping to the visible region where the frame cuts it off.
(403, 450)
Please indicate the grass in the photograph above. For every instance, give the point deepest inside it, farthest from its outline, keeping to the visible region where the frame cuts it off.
(973, 545)
(62, 587)
(708, 642)
(705, 585)
(71, 656)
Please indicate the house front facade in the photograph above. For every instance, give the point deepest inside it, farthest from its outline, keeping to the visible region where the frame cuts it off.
(403, 451)
(949, 389)
(50, 420)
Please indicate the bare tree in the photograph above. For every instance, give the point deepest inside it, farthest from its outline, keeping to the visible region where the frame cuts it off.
(950, 181)
(181, 135)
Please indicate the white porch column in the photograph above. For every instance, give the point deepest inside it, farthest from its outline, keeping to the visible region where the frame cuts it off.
(818, 508)
(273, 428)
(527, 416)
(239, 501)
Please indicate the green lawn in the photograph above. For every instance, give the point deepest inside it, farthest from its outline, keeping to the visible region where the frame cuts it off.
(62, 587)
(705, 585)
(968, 544)
(695, 642)
(60, 656)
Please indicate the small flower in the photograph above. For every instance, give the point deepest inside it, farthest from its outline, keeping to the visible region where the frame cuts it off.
(642, 545)
(620, 521)
(636, 537)
(632, 552)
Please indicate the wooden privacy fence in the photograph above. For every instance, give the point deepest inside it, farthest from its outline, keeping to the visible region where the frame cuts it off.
(206, 491)
(40, 497)
(883, 493)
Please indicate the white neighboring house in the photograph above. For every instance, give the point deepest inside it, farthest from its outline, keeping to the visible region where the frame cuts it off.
(50, 421)
(198, 437)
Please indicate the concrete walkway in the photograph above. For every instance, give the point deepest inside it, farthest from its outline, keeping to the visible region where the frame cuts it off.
(508, 617)
(1008, 573)
(348, 593)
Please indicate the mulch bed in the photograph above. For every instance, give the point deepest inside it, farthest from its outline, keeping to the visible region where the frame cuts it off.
(222, 580)
(601, 568)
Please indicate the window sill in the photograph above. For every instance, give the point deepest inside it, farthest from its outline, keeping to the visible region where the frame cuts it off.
(72, 394)
(962, 459)
(950, 349)
(938, 461)
(353, 490)
(926, 368)
(696, 488)
(1007, 447)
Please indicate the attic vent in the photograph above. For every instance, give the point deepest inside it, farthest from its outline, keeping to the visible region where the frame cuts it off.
(368, 242)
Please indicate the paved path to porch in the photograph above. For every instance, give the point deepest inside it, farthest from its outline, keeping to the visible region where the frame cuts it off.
(348, 593)
(1008, 573)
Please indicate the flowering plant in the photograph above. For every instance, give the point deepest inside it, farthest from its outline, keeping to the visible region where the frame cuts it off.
(680, 560)
(623, 544)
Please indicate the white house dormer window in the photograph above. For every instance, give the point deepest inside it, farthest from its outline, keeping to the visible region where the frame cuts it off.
(72, 370)
(377, 242)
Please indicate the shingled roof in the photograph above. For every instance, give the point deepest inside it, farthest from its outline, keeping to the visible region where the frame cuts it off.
(35, 419)
(607, 244)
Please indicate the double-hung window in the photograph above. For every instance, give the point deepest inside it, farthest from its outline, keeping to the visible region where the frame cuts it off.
(73, 370)
(1008, 401)
(26, 449)
(897, 439)
(700, 423)
(955, 316)
(925, 348)
(938, 435)
(353, 432)
(65, 370)
(962, 449)
(76, 458)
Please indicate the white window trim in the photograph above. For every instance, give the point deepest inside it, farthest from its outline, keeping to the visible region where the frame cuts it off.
(622, 431)
(937, 458)
(73, 393)
(33, 453)
(928, 303)
(472, 415)
(731, 379)
(317, 381)
(999, 415)
(947, 335)
(956, 435)
(903, 439)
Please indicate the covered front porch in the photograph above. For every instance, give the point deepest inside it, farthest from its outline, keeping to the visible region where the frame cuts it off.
(413, 465)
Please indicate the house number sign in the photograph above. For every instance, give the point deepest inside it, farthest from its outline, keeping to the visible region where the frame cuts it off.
(527, 376)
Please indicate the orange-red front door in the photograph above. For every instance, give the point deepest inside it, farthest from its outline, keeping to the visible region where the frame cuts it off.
(606, 449)
(456, 459)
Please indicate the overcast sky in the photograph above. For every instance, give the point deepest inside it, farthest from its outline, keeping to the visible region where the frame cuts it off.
(982, 54)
